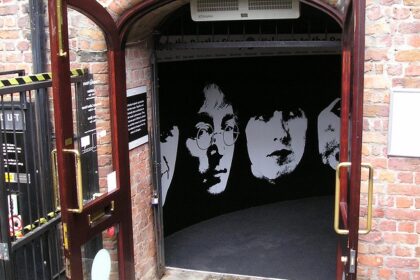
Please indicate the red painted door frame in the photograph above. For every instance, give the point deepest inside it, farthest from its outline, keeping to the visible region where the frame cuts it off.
(78, 229)
(356, 14)
(351, 134)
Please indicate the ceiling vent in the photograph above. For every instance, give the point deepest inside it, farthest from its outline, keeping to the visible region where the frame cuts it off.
(217, 10)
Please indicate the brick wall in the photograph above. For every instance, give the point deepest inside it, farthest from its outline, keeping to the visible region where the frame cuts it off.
(138, 72)
(392, 250)
(15, 48)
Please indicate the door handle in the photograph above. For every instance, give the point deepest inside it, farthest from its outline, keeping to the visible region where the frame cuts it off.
(99, 215)
(79, 183)
(337, 228)
(78, 178)
(54, 172)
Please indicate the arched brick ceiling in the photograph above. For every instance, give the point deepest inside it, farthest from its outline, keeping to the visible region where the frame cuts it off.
(146, 24)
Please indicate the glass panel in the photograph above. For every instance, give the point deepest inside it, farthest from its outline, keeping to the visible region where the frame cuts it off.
(91, 110)
(100, 256)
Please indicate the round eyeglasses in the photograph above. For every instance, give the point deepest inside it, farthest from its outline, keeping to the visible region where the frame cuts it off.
(206, 134)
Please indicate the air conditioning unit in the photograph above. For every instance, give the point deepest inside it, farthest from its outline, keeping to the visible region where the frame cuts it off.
(218, 10)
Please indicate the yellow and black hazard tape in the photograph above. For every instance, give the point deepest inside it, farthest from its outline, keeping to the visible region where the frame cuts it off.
(24, 80)
(26, 229)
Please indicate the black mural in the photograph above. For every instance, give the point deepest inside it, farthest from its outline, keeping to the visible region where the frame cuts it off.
(329, 133)
(241, 132)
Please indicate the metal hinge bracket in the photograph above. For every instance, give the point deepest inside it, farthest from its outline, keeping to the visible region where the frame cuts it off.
(352, 264)
(157, 167)
(155, 198)
(68, 268)
(4, 252)
(65, 237)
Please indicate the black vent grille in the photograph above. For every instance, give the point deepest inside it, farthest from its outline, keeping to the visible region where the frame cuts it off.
(217, 5)
(270, 4)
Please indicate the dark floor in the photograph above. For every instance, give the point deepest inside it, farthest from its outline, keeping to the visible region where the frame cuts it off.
(287, 240)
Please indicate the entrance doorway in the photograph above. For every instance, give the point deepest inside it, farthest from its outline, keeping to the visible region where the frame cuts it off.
(350, 15)
(249, 144)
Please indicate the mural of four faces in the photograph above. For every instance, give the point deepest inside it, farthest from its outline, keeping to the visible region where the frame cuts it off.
(275, 141)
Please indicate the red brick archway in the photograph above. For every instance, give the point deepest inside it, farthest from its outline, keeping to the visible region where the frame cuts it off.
(350, 16)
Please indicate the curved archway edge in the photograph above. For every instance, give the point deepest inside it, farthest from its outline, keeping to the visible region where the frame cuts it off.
(116, 32)
(130, 16)
(97, 13)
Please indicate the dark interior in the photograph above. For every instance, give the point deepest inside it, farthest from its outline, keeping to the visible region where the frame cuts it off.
(280, 227)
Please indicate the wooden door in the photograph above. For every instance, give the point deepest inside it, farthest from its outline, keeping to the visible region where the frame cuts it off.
(96, 212)
(348, 175)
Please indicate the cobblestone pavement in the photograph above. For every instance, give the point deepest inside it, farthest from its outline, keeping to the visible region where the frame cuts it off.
(183, 274)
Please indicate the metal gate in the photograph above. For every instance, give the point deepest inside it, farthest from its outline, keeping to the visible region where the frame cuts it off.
(30, 228)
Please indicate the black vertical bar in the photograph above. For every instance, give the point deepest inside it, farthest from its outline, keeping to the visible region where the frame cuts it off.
(42, 249)
(36, 12)
(59, 249)
(42, 144)
(51, 249)
(35, 274)
(6, 266)
(25, 255)
(31, 188)
(2, 270)
(156, 170)
(41, 101)
(8, 186)
(32, 167)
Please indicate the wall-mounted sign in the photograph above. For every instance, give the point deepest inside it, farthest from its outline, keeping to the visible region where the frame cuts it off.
(86, 110)
(404, 131)
(13, 148)
(137, 116)
(12, 120)
(86, 129)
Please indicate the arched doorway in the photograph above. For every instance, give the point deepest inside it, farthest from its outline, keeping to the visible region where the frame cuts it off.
(348, 15)
(249, 206)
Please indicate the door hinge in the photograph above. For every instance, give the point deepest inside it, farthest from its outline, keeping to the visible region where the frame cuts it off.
(155, 198)
(352, 264)
(67, 268)
(157, 168)
(4, 252)
(65, 237)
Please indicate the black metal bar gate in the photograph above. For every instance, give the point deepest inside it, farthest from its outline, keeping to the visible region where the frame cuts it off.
(30, 228)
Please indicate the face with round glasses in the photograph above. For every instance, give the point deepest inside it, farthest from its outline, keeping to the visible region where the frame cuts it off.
(213, 141)
(276, 142)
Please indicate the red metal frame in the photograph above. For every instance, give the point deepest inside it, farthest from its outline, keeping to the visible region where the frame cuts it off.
(352, 105)
(358, 15)
(79, 232)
